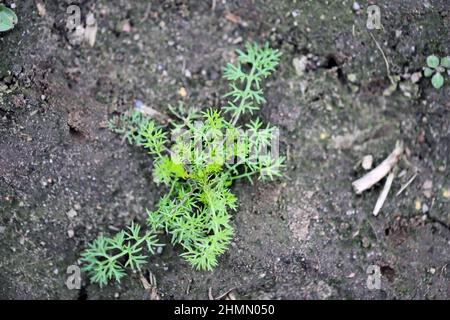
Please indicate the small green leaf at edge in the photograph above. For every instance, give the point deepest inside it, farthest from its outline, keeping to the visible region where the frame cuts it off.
(427, 72)
(445, 62)
(437, 81)
(8, 19)
(433, 61)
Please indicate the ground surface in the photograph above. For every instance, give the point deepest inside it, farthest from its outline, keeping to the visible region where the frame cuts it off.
(306, 236)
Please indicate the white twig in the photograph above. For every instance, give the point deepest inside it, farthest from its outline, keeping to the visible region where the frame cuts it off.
(406, 185)
(224, 294)
(388, 69)
(384, 193)
(378, 173)
(210, 295)
(152, 113)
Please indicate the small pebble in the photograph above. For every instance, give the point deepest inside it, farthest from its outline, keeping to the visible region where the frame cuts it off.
(237, 40)
(418, 205)
(356, 6)
(182, 92)
(299, 64)
(446, 193)
(365, 242)
(138, 104)
(71, 213)
(427, 188)
(70, 233)
(415, 77)
(323, 136)
(350, 212)
(352, 77)
(367, 162)
(124, 26)
(425, 208)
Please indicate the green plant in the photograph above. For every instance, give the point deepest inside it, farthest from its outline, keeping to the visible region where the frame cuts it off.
(107, 258)
(8, 18)
(128, 125)
(207, 152)
(435, 68)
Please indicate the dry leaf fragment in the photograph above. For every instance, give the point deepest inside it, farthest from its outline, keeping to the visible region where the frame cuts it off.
(150, 287)
(232, 17)
(154, 114)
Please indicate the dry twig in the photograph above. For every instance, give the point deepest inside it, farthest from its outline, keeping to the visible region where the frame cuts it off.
(378, 173)
(150, 287)
(406, 185)
(384, 193)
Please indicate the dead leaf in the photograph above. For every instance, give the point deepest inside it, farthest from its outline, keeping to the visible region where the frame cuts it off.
(232, 18)
(154, 114)
(150, 287)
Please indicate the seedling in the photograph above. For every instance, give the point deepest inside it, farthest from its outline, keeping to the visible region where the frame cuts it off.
(106, 257)
(8, 18)
(435, 68)
(207, 152)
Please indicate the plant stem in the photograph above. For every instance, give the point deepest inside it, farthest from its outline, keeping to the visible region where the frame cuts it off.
(244, 175)
(138, 243)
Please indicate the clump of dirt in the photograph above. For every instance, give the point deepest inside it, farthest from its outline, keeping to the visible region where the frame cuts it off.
(64, 178)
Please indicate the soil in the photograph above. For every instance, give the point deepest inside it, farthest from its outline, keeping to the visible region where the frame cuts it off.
(65, 178)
